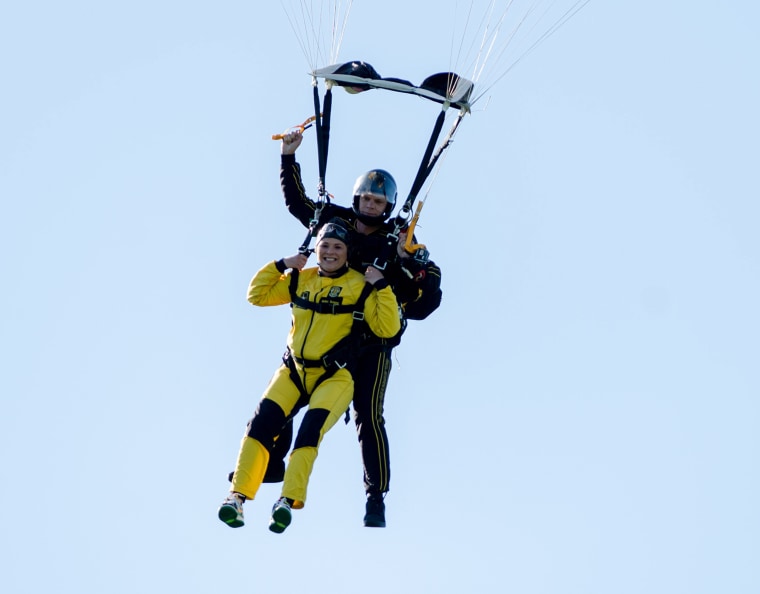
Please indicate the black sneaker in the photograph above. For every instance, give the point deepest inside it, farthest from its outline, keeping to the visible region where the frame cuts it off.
(375, 516)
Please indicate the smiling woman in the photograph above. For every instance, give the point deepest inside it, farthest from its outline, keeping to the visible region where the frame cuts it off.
(331, 305)
(332, 246)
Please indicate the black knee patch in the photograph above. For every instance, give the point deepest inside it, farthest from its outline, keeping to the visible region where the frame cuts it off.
(275, 472)
(311, 426)
(267, 423)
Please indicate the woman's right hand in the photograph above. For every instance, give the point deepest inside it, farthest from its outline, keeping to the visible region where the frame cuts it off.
(297, 261)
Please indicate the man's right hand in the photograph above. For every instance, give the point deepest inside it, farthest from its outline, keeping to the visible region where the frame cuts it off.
(290, 142)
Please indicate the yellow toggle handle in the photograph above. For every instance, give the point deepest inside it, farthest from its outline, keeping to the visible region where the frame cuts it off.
(409, 246)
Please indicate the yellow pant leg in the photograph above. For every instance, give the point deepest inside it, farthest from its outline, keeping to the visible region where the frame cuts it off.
(282, 390)
(253, 457)
(333, 395)
(250, 468)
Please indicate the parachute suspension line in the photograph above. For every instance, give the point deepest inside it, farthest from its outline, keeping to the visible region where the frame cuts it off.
(498, 37)
(489, 39)
(515, 30)
(491, 34)
(339, 30)
(569, 13)
(303, 30)
(455, 62)
(307, 22)
(553, 28)
(493, 38)
(476, 63)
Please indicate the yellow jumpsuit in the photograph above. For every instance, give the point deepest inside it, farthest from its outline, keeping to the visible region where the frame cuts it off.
(312, 335)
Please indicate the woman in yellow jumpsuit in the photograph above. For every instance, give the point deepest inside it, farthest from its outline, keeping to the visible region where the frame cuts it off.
(327, 299)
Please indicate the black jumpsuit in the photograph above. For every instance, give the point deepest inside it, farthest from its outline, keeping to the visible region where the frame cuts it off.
(417, 287)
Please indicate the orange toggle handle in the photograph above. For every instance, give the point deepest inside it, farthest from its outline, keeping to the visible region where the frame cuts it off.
(300, 127)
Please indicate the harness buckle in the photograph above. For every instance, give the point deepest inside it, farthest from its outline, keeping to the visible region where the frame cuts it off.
(328, 360)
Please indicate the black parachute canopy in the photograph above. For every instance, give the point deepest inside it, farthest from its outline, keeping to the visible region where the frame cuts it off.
(357, 76)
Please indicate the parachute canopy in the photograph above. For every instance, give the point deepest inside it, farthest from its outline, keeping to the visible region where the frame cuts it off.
(356, 76)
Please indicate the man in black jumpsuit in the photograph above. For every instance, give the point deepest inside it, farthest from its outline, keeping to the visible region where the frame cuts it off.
(415, 280)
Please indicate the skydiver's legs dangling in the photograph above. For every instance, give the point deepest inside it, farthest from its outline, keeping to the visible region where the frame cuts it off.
(371, 381)
(280, 399)
(278, 452)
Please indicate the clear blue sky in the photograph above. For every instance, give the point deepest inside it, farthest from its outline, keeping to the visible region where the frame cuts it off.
(580, 416)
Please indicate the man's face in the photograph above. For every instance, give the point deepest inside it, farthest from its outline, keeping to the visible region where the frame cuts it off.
(372, 205)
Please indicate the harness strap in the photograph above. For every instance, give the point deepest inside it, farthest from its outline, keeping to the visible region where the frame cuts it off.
(341, 355)
(325, 307)
(289, 361)
(344, 351)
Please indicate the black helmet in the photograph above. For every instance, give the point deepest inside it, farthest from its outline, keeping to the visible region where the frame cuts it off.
(336, 230)
(380, 183)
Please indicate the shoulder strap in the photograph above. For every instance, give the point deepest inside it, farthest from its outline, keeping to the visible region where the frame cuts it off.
(293, 284)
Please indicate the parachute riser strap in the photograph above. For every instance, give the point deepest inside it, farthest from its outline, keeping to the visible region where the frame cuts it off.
(322, 127)
(313, 226)
(422, 173)
(410, 246)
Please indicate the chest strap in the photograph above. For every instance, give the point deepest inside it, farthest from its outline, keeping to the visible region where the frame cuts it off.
(325, 307)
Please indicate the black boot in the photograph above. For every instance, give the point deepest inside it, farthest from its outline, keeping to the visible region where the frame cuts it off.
(375, 516)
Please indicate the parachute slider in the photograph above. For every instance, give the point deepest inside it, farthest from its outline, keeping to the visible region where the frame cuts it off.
(447, 88)
(300, 127)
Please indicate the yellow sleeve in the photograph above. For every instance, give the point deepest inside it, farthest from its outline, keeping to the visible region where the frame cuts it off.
(269, 286)
(382, 313)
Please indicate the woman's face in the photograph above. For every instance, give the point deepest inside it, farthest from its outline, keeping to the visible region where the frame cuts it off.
(332, 255)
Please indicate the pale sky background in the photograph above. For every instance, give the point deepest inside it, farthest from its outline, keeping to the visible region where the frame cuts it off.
(580, 416)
